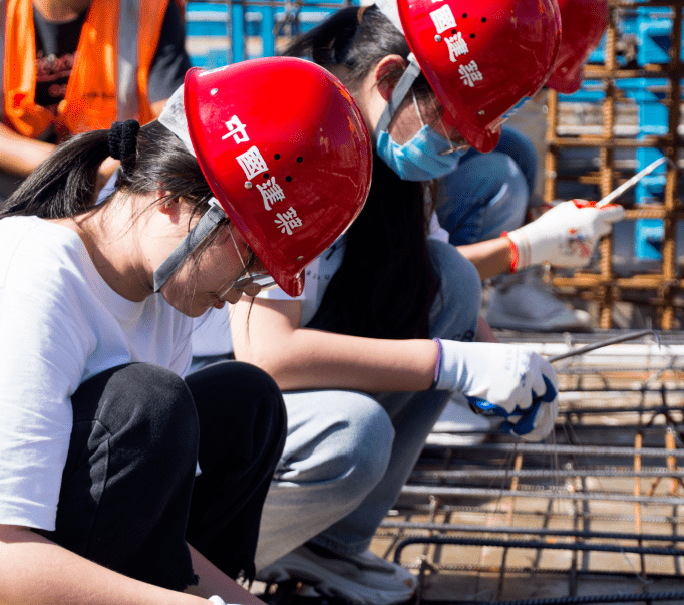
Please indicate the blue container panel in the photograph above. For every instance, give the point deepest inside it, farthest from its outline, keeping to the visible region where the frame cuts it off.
(648, 238)
(651, 188)
(207, 30)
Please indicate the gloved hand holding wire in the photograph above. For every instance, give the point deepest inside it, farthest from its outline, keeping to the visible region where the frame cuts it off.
(565, 236)
(508, 381)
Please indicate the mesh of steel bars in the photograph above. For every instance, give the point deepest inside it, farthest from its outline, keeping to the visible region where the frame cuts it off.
(634, 118)
(593, 514)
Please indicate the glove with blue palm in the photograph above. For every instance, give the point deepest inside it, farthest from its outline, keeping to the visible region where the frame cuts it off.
(508, 381)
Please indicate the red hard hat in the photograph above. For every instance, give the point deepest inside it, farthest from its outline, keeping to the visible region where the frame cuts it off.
(584, 22)
(482, 57)
(286, 153)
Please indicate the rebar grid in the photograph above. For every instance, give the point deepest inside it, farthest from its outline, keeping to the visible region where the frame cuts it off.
(603, 286)
(589, 514)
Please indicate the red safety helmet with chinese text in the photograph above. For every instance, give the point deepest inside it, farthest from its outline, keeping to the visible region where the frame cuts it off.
(482, 57)
(286, 153)
(584, 23)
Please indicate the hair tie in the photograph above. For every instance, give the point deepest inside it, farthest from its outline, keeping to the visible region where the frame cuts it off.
(123, 140)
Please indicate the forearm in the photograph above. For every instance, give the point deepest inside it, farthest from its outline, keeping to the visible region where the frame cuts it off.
(20, 155)
(491, 257)
(300, 358)
(327, 360)
(36, 571)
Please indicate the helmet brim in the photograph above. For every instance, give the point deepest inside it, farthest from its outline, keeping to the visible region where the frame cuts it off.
(481, 139)
(567, 83)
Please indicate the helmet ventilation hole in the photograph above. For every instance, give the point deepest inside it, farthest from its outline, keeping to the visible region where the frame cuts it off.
(266, 176)
(276, 156)
(300, 160)
(288, 179)
(464, 15)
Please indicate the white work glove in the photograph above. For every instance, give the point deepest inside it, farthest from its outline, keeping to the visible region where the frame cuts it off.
(566, 235)
(508, 381)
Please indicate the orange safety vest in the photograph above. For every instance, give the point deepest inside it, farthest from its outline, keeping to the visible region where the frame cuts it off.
(108, 80)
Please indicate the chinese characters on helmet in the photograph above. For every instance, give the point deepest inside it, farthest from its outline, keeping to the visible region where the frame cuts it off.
(287, 221)
(444, 20)
(253, 164)
(271, 192)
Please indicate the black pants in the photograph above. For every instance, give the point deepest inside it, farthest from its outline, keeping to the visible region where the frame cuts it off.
(129, 498)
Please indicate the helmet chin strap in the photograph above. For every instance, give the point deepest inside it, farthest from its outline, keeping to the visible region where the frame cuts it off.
(189, 244)
(400, 90)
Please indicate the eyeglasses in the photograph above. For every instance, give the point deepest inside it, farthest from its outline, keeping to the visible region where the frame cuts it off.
(457, 144)
(253, 282)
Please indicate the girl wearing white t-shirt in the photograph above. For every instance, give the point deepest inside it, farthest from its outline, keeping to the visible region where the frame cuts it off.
(123, 480)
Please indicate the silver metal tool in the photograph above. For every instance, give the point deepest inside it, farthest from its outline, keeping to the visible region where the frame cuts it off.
(605, 343)
(634, 180)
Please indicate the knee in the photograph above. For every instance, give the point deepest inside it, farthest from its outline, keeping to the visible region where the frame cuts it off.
(152, 407)
(521, 149)
(478, 182)
(486, 196)
(509, 206)
(241, 409)
(353, 447)
(364, 457)
(257, 412)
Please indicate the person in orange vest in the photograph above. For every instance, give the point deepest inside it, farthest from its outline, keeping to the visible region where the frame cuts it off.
(75, 65)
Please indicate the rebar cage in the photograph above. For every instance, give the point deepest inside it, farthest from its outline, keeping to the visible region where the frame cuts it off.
(627, 114)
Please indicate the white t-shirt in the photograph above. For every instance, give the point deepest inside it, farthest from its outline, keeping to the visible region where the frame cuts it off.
(211, 335)
(60, 324)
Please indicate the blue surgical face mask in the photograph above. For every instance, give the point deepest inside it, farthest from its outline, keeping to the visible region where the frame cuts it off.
(426, 156)
(422, 158)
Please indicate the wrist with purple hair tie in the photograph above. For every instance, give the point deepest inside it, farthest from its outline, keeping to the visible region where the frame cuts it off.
(438, 363)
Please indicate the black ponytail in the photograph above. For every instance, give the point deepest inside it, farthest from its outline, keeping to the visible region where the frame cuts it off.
(385, 285)
(65, 184)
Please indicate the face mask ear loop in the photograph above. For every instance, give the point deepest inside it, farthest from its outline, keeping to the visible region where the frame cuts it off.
(415, 104)
(407, 79)
(452, 148)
